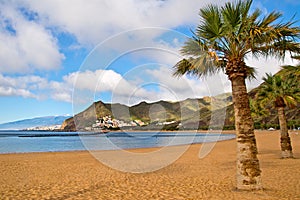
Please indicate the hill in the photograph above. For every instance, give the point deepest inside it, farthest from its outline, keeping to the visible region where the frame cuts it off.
(189, 113)
(34, 122)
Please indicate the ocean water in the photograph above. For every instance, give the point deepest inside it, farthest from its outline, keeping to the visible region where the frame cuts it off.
(15, 142)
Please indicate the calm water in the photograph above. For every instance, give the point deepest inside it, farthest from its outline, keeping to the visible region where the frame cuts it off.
(13, 142)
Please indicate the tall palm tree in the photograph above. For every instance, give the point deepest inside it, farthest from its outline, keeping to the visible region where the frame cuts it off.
(281, 93)
(222, 40)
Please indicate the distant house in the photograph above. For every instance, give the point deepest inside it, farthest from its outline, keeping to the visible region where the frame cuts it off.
(139, 122)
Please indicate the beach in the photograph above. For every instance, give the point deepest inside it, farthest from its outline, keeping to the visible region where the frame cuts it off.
(78, 175)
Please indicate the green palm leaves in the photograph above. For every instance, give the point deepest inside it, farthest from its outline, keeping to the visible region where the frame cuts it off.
(227, 34)
(279, 91)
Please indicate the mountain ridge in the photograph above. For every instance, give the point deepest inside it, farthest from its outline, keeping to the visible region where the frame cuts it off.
(33, 122)
(187, 111)
(192, 113)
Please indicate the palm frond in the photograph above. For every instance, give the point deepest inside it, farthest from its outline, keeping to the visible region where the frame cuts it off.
(229, 33)
(251, 73)
(211, 25)
(201, 66)
(193, 47)
(278, 91)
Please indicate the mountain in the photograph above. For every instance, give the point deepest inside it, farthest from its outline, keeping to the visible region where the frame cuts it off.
(34, 122)
(191, 113)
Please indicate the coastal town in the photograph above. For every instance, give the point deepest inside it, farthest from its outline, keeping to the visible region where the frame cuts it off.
(108, 123)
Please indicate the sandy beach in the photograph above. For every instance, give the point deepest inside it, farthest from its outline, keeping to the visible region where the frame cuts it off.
(78, 175)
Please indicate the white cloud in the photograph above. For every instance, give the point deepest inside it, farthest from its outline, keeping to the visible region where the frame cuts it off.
(17, 86)
(62, 96)
(99, 80)
(25, 45)
(93, 21)
(263, 66)
(60, 91)
(175, 89)
(9, 91)
(30, 86)
(22, 82)
(92, 83)
(28, 45)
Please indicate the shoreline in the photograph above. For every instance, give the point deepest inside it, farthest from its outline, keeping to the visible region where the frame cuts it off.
(127, 130)
(78, 175)
(125, 149)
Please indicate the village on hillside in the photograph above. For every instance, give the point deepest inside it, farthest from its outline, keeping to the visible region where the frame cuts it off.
(107, 122)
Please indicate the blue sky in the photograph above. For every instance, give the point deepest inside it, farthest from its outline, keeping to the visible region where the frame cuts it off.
(58, 56)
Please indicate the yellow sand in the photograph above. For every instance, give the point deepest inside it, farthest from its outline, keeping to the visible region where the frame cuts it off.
(78, 175)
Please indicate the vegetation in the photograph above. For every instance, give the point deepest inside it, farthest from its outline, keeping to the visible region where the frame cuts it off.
(193, 113)
(290, 70)
(280, 93)
(222, 40)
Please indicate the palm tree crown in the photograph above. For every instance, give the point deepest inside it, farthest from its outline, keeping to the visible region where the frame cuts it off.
(227, 34)
(281, 92)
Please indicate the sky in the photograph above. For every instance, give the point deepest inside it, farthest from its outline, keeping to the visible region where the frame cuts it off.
(59, 56)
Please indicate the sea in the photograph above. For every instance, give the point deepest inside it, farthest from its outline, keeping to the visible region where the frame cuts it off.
(41, 141)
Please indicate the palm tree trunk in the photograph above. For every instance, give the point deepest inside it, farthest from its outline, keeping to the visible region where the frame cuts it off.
(248, 170)
(285, 140)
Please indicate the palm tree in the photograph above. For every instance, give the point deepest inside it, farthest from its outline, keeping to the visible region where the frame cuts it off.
(221, 42)
(281, 93)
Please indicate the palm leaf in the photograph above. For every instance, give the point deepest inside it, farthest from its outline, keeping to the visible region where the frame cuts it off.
(276, 90)
(231, 32)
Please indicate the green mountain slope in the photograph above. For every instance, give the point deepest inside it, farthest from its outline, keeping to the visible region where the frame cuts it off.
(191, 113)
